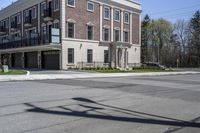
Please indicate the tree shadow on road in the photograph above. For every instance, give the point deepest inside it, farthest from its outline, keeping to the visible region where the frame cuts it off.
(152, 119)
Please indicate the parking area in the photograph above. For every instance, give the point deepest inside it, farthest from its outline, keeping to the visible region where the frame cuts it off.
(151, 104)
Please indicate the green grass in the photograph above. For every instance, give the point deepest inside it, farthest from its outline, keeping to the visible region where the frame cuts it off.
(14, 72)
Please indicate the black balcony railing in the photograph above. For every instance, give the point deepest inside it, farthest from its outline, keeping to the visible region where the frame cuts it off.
(2, 29)
(28, 20)
(13, 25)
(47, 13)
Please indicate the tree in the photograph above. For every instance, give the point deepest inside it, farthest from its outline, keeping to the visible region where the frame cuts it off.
(145, 38)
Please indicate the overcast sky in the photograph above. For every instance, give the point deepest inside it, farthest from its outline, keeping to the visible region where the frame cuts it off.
(169, 9)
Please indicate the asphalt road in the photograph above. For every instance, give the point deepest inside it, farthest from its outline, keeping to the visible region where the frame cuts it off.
(161, 104)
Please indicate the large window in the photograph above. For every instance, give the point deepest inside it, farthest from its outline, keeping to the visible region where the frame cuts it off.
(106, 56)
(90, 6)
(117, 35)
(71, 30)
(126, 17)
(90, 32)
(106, 34)
(18, 18)
(43, 7)
(70, 55)
(106, 13)
(89, 56)
(71, 3)
(126, 36)
(117, 15)
(33, 12)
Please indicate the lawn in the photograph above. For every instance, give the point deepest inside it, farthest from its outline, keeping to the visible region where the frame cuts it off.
(14, 72)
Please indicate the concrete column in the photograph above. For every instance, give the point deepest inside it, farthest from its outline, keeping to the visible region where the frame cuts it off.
(126, 62)
(23, 60)
(116, 58)
(112, 24)
(63, 18)
(101, 22)
(131, 28)
(122, 25)
(39, 60)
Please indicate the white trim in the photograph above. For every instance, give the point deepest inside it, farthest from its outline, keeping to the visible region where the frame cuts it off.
(79, 40)
(92, 32)
(90, 23)
(74, 29)
(101, 22)
(71, 21)
(89, 2)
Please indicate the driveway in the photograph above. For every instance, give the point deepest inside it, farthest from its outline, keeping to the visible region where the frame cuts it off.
(153, 104)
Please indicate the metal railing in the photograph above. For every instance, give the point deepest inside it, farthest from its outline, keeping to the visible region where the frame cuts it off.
(92, 65)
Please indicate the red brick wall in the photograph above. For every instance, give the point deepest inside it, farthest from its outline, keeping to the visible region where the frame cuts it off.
(136, 24)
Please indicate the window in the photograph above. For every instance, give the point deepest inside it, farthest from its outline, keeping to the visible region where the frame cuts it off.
(71, 28)
(56, 5)
(90, 32)
(90, 6)
(106, 34)
(106, 56)
(43, 7)
(33, 12)
(71, 3)
(117, 15)
(89, 56)
(56, 25)
(106, 13)
(126, 36)
(126, 17)
(117, 35)
(18, 19)
(70, 56)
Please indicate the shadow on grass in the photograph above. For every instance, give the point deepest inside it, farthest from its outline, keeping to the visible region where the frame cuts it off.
(154, 119)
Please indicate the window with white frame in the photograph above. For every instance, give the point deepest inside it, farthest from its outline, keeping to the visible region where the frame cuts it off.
(90, 32)
(33, 12)
(126, 36)
(106, 34)
(126, 17)
(43, 7)
(71, 3)
(90, 6)
(56, 25)
(106, 13)
(117, 15)
(89, 56)
(56, 5)
(106, 56)
(71, 30)
(18, 18)
(117, 35)
(70, 56)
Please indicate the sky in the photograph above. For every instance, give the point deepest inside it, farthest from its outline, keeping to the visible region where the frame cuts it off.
(171, 10)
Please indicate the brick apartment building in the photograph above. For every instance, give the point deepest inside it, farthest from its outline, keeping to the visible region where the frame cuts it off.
(62, 34)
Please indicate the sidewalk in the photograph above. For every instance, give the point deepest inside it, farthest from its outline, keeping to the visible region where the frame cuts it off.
(86, 75)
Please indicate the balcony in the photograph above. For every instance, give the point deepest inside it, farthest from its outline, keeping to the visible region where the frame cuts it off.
(13, 26)
(28, 21)
(48, 14)
(2, 30)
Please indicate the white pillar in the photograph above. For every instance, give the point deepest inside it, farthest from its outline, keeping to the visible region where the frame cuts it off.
(63, 18)
(112, 23)
(122, 25)
(131, 28)
(101, 22)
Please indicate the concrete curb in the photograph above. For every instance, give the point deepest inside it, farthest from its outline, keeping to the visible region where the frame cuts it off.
(30, 77)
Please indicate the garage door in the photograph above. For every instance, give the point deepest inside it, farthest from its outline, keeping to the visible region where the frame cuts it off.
(50, 60)
(17, 60)
(31, 60)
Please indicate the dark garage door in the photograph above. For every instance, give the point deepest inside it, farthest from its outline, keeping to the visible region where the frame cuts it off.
(50, 60)
(17, 60)
(31, 60)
